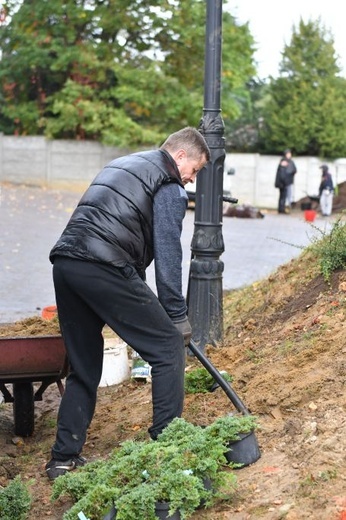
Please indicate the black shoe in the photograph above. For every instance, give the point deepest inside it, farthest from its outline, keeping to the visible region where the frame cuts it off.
(55, 468)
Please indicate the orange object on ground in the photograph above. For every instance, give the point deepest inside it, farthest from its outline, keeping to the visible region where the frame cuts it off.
(310, 215)
(48, 313)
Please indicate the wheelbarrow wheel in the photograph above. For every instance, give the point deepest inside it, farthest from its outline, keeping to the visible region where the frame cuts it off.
(23, 408)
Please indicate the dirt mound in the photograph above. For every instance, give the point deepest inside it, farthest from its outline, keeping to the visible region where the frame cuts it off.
(285, 348)
(34, 326)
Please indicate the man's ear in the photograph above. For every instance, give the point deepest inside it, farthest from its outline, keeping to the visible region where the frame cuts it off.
(179, 155)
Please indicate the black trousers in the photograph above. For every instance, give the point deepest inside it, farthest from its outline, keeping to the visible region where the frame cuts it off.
(88, 296)
(282, 199)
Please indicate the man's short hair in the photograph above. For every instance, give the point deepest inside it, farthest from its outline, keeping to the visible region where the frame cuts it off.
(191, 140)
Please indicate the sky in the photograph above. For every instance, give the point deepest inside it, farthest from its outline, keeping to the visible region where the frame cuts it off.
(271, 23)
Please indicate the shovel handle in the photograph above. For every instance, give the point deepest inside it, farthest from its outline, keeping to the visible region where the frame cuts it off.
(226, 387)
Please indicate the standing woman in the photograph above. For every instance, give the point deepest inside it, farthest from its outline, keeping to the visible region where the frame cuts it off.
(326, 191)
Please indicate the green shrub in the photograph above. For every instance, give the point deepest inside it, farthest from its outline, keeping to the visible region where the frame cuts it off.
(228, 427)
(15, 500)
(173, 469)
(200, 381)
(331, 249)
(327, 246)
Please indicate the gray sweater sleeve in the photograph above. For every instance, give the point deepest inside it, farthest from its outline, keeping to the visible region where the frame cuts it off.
(170, 203)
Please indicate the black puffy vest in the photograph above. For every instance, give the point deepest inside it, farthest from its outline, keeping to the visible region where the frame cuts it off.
(113, 222)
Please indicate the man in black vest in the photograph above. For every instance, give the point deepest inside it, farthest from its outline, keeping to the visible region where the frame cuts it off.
(131, 214)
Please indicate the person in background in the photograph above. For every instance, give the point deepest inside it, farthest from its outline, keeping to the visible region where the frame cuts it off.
(326, 191)
(291, 171)
(284, 181)
(130, 215)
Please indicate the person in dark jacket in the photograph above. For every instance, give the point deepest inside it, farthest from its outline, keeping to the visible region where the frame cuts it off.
(284, 181)
(326, 190)
(131, 214)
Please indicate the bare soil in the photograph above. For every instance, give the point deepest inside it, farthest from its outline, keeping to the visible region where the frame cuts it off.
(285, 348)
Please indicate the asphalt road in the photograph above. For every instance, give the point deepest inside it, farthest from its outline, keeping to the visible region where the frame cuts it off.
(32, 219)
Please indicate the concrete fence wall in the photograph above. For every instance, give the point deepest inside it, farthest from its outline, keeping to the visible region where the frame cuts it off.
(69, 164)
(39, 161)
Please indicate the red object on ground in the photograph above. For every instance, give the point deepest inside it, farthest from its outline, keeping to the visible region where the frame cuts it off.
(48, 313)
(310, 215)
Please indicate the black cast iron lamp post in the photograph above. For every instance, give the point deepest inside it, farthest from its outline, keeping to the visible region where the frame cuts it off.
(204, 297)
(205, 280)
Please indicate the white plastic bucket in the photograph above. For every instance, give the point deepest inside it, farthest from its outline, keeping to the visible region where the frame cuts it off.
(115, 363)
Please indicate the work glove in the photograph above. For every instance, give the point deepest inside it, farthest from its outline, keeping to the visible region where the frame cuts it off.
(184, 327)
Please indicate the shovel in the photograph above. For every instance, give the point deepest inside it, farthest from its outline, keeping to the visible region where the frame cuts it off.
(226, 387)
(245, 451)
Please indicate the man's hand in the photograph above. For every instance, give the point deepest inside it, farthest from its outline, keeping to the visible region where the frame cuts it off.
(185, 328)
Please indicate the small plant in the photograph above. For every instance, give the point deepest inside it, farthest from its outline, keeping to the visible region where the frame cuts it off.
(286, 347)
(331, 249)
(327, 475)
(200, 381)
(229, 427)
(253, 355)
(15, 500)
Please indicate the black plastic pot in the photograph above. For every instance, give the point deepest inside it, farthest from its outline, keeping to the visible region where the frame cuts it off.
(245, 451)
(161, 511)
(208, 485)
(111, 515)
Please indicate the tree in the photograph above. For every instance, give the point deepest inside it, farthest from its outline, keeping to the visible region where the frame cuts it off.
(242, 134)
(306, 108)
(57, 73)
(125, 72)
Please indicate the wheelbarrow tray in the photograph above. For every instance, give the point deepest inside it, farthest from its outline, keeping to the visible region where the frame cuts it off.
(34, 358)
(25, 361)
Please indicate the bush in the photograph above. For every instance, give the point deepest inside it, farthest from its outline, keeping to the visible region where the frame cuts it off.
(331, 249)
(15, 501)
(173, 469)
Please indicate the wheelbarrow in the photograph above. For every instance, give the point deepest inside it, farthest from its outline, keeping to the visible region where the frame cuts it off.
(25, 361)
(313, 202)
